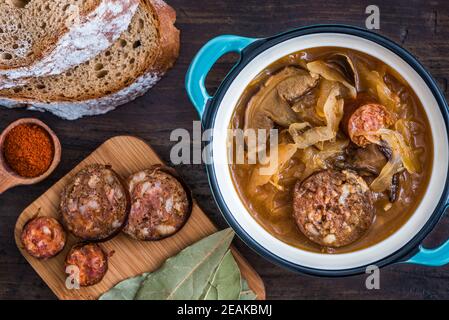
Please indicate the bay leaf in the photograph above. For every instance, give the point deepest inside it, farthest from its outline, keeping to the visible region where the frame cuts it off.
(186, 275)
(247, 293)
(209, 281)
(226, 283)
(124, 290)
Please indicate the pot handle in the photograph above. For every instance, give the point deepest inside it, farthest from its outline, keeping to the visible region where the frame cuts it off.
(436, 257)
(203, 62)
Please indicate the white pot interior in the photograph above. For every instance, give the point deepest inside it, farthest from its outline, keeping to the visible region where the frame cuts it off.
(293, 254)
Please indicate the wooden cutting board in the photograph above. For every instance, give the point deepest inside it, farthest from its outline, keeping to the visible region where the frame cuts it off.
(130, 257)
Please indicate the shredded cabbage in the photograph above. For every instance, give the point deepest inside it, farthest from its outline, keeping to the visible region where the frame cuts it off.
(402, 156)
(406, 128)
(387, 97)
(262, 174)
(328, 73)
(374, 80)
(384, 180)
(333, 113)
(326, 86)
(315, 159)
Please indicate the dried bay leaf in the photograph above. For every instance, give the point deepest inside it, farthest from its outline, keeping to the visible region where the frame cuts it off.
(226, 282)
(247, 293)
(124, 290)
(185, 276)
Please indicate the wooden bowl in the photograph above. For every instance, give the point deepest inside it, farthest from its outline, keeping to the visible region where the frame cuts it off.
(9, 178)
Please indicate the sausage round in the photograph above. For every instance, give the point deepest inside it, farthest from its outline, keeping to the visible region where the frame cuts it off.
(95, 204)
(368, 118)
(91, 263)
(43, 237)
(333, 208)
(160, 205)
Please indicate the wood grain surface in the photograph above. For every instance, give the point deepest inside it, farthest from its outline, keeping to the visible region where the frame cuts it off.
(129, 258)
(422, 27)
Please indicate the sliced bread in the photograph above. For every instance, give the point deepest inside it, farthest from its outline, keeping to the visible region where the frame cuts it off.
(39, 37)
(126, 70)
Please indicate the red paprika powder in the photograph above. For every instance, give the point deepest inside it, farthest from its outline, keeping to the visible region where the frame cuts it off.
(28, 150)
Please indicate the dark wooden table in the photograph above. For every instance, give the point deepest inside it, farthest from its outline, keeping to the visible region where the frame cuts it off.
(420, 26)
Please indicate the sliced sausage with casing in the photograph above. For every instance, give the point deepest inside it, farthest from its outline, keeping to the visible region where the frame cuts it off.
(368, 119)
(43, 237)
(333, 208)
(160, 205)
(95, 204)
(90, 261)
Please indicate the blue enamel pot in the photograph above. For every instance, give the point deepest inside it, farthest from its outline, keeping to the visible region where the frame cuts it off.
(404, 246)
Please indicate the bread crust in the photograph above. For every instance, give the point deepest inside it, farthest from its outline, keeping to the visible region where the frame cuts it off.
(101, 25)
(169, 36)
(70, 109)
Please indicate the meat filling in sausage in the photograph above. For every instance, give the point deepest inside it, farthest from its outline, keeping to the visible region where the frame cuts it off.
(367, 119)
(91, 263)
(333, 208)
(43, 237)
(94, 204)
(159, 205)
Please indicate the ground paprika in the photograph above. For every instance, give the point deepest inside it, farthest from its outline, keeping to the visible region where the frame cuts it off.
(28, 150)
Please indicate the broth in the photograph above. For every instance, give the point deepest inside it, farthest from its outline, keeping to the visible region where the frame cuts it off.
(271, 205)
